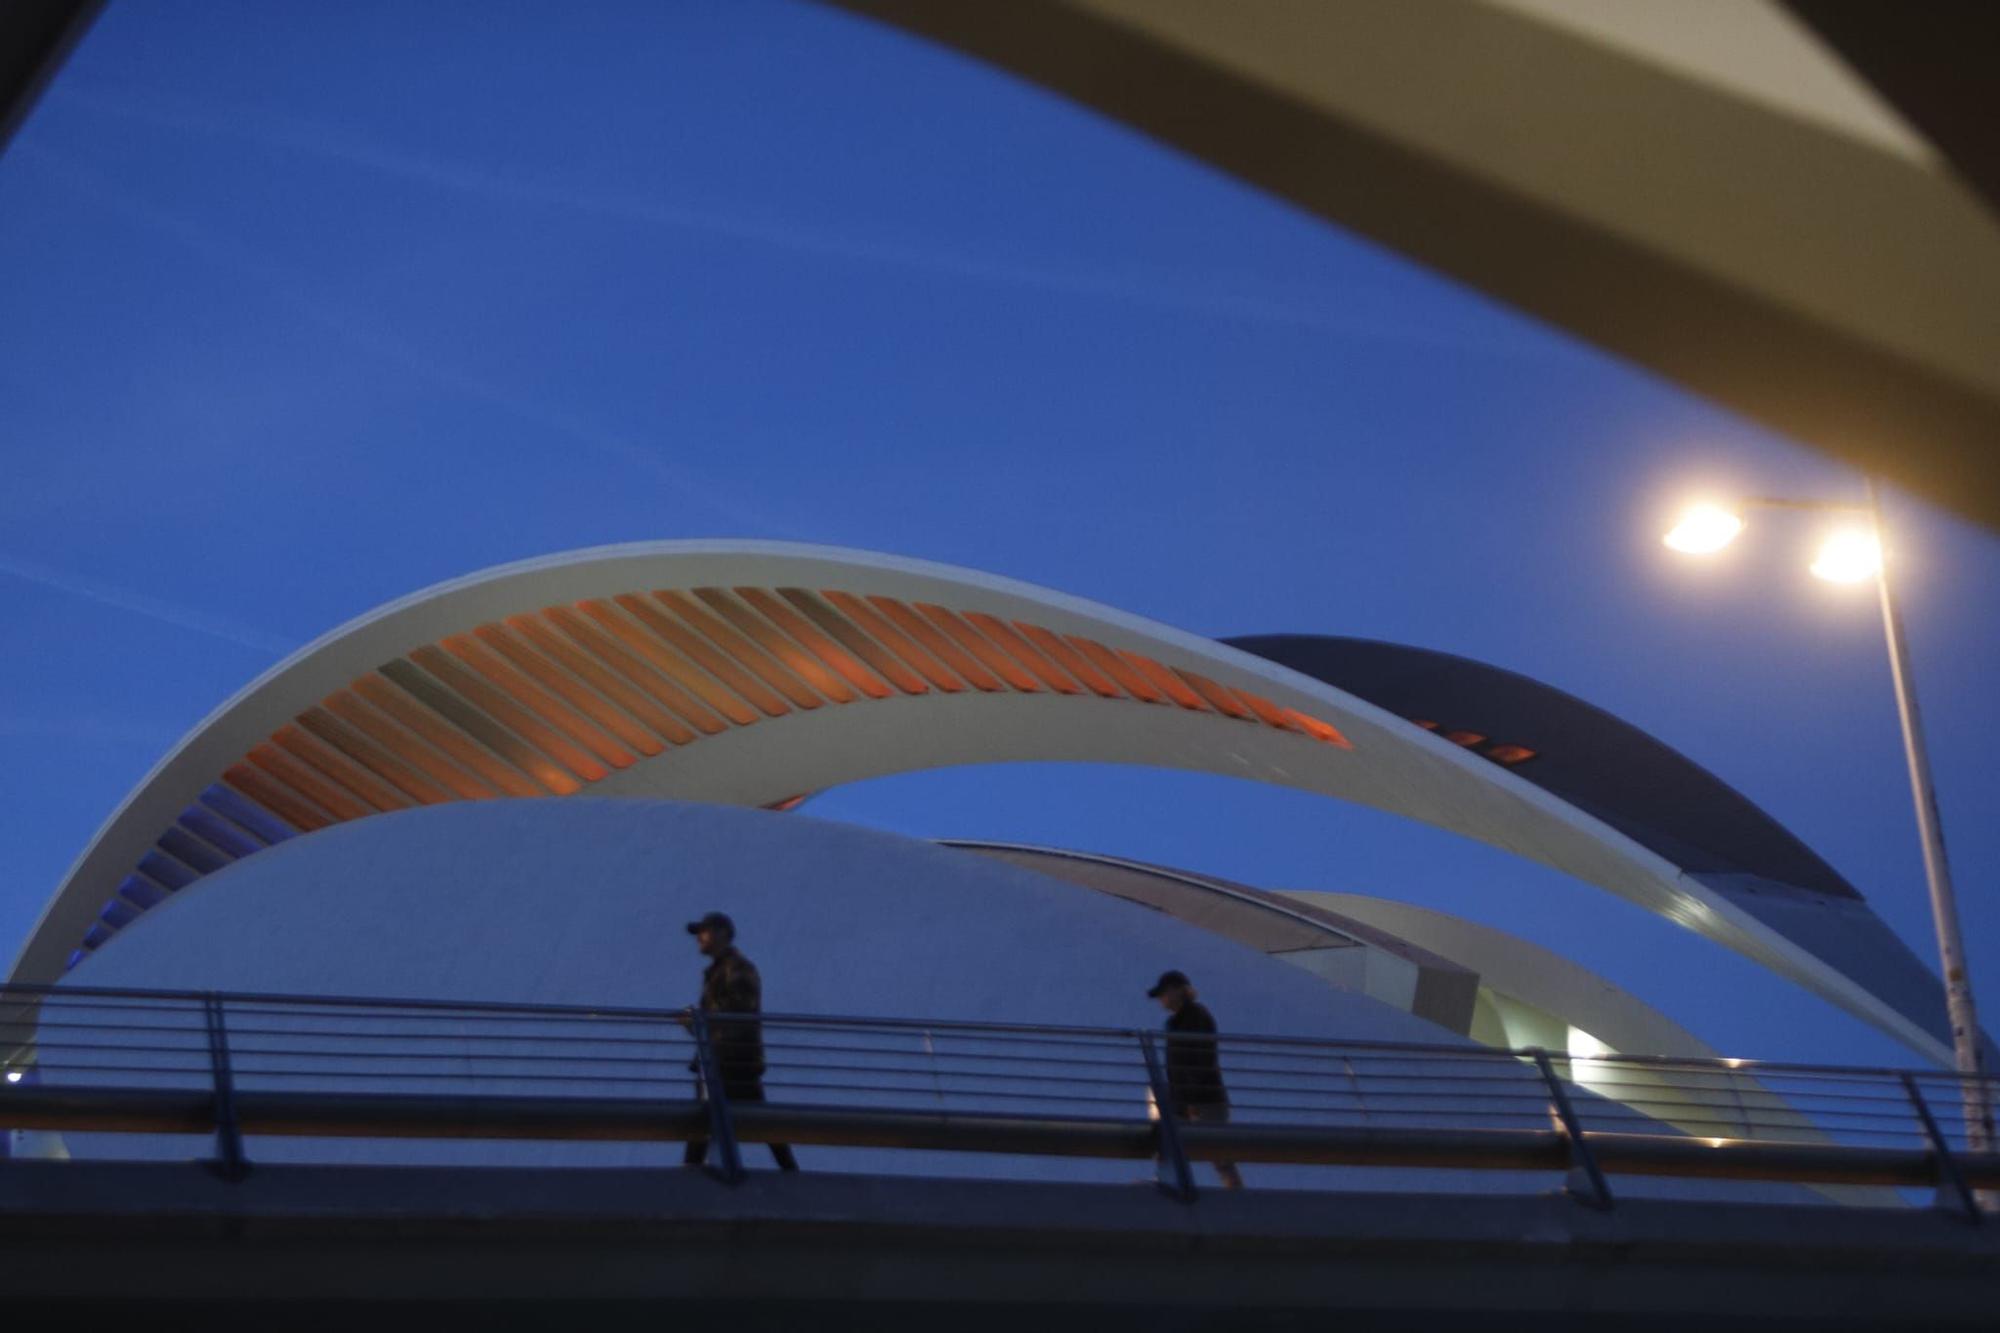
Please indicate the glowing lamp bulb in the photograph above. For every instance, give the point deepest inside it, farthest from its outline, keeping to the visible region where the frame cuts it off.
(1703, 529)
(1849, 557)
(13, 1076)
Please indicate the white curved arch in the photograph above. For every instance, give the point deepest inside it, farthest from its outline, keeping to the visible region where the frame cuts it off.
(1241, 715)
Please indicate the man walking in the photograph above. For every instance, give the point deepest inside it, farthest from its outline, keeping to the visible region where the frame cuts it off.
(730, 985)
(1194, 1072)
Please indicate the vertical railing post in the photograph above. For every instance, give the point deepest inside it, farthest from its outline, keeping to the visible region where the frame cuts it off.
(1585, 1181)
(721, 1125)
(1171, 1163)
(1947, 1166)
(229, 1162)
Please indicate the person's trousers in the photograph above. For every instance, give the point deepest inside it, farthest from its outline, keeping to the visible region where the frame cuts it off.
(742, 1090)
(1214, 1113)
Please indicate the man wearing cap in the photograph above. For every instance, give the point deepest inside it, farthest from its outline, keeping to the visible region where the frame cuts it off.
(1194, 1071)
(730, 985)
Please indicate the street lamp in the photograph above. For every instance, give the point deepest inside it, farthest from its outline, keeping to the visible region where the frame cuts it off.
(1854, 554)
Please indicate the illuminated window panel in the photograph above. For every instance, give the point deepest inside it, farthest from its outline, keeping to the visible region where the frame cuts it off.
(140, 893)
(892, 668)
(1111, 664)
(789, 803)
(707, 658)
(218, 832)
(816, 641)
(408, 743)
(645, 693)
(492, 719)
(337, 767)
(1072, 661)
(1166, 682)
(937, 645)
(1425, 723)
(1218, 697)
(350, 741)
(1033, 659)
(274, 796)
(972, 641)
(165, 871)
(1510, 754)
(897, 642)
(246, 814)
(567, 726)
(570, 687)
(666, 662)
(412, 699)
(192, 852)
(738, 649)
(330, 796)
(1468, 739)
(773, 641)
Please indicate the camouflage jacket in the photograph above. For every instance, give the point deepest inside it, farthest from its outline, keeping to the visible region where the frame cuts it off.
(730, 985)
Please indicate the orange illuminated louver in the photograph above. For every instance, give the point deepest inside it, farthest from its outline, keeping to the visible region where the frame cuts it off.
(773, 640)
(555, 700)
(1468, 739)
(1509, 754)
(897, 642)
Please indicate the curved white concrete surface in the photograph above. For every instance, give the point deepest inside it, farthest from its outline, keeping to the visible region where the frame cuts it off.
(1274, 725)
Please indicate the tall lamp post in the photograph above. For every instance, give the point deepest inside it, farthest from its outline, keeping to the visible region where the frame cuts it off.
(1853, 554)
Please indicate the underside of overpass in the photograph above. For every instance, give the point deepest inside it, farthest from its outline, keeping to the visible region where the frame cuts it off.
(837, 1251)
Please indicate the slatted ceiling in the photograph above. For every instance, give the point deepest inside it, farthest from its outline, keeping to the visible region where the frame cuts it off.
(472, 740)
(738, 649)
(937, 645)
(350, 741)
(1072, 661)
(568, 725)
(358, 706)
(686, 677)
(901, 645)
(555, 699)
(705, 665)
(1317, 729)
(246, 814)
(327, 794)
(1166, 682)
(577, 692)
(1111, 664)
(192, 852)
(815, 641)
(165, 871)
(773, 640)
(972, 641)
(892, 668)
(218, 832)
(1218, 696)
(601, 675)
(287, 804)
(337, 767)
(633, 667)
(1023, 652)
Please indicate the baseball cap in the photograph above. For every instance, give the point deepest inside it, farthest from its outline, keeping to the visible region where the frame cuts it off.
(1168, 979)
(713, 921)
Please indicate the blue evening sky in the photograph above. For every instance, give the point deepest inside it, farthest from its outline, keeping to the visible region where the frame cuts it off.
(310, 305)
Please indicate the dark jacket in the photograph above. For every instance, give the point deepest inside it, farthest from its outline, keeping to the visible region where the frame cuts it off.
(1194, 1074)
(730, 985)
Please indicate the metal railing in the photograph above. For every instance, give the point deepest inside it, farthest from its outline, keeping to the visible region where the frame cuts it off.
(237, 1066)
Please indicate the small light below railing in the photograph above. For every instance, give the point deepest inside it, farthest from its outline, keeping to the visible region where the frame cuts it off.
(13, 1076)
